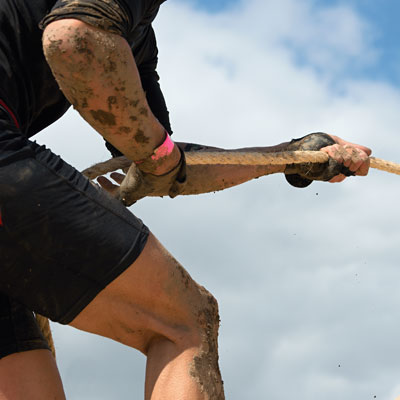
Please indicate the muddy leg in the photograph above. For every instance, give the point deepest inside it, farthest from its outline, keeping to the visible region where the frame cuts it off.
(157, 308)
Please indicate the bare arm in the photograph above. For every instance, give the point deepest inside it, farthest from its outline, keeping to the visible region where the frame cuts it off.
(212, 178)
(97, 73)
(215, 177)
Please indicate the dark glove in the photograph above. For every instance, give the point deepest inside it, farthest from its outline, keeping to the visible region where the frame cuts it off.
(302, 175)
(138, 184)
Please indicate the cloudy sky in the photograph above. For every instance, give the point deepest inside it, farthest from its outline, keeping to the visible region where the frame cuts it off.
(307, 279)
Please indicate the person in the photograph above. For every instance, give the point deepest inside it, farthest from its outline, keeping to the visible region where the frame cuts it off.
(69, 249)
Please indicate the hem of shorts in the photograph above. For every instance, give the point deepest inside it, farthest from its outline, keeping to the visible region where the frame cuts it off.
(128, 259)
(20, 347)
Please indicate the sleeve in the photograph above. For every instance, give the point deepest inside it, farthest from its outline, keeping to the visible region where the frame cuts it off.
(148, 55)
(116, 16)
(156, 100)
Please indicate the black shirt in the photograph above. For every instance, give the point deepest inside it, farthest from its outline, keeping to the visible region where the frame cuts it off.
(27, 85)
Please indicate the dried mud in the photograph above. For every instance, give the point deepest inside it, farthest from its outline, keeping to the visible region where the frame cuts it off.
(205, 369)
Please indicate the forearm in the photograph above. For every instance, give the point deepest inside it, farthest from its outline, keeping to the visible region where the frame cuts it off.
(212, 178)
(97, 73)
(205, 178)
(187, 147)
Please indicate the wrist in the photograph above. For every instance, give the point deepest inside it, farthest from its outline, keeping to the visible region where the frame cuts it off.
(163, 159)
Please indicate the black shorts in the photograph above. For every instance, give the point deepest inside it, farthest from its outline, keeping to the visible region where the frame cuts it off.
(62, 238)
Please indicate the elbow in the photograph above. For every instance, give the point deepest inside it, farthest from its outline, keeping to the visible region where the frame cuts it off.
(67, 46)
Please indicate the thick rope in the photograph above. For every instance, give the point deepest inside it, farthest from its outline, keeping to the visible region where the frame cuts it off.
(384, 165)
(241, 158)
(44, 326)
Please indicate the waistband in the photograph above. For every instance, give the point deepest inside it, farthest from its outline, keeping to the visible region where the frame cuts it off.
(3, 106)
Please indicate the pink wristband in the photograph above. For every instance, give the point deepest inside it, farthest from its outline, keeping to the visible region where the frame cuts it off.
(163, 150)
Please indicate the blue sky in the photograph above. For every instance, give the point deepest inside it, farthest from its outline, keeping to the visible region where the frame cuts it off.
(214, 5)
(382, 16)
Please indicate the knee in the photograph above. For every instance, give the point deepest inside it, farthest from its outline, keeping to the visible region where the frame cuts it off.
(207, 312)
(204, 366)
(203, 324)
(199, 332)
(198, 323)
(60, 39)
(68, 46)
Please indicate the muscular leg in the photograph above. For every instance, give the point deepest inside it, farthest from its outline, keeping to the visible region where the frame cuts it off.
(30, 375)
(156, 307)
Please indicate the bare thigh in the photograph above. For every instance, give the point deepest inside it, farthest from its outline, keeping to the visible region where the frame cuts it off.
(34, 372)
(155, 297)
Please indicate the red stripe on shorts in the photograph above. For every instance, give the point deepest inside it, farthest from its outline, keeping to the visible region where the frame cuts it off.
(14, 118)
(1, 221)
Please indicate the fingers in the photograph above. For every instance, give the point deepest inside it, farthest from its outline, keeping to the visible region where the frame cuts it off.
(117, 177)
(338, 178)
(124, 183)
(107, 185)
(356, 160)
(342, 142)
(351, 156)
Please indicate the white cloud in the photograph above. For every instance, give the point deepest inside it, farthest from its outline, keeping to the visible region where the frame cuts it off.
(306, 279)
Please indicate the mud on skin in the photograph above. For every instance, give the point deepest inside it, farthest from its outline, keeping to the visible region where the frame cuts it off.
(111, 100)
(205, 368)
(124, 129)
(140, 137)
(104, 117)
(80, 92)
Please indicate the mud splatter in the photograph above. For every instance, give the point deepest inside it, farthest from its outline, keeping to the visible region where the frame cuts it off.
(74, 102)
(133, 103)
(82, 47)
(111, 100)
(143, 111)
(186, 279)
(205, 369)
(58, 75)
(125, 129)
(109, 66)
(104, 117)
(140, 137)
(54, 47)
